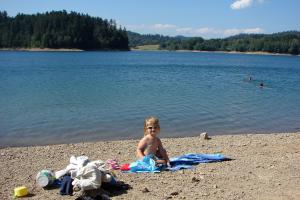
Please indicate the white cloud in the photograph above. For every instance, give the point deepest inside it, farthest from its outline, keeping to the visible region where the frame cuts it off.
(152, 27)
(234, 31)
(184, 30)
(253, 30)
(195, 32)
(241, 4)
(206, 32)
(136, 26)
(163, 26)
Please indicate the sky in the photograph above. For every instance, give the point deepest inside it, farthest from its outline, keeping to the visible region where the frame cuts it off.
(197, 18)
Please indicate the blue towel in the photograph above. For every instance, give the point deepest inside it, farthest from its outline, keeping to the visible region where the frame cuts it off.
(146, 164)
(178, 167)
(192, 159)
(186, 161)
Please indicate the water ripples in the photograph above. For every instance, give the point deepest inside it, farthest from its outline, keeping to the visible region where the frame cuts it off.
(86, 96)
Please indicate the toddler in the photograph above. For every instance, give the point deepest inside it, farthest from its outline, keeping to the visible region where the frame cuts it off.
(150, 144)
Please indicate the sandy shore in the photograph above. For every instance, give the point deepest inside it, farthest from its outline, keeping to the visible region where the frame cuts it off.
(241, 52)
(264, 166)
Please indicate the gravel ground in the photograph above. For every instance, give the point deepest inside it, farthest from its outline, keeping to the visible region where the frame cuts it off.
(264, 166)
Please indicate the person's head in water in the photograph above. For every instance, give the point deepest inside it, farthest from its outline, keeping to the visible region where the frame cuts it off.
(261, 84)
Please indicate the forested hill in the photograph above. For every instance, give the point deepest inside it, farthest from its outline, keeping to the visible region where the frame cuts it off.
(59, 29)
(136, 39)
(284, 42)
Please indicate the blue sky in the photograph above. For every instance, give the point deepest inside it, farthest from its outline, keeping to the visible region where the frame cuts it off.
(205, 18)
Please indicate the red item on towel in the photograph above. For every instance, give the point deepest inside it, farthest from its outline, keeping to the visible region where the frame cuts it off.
(125, 167)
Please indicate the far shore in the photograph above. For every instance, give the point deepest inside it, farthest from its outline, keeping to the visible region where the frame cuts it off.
(263, 166)
(38, 49)
(241, 52)
(229, 52)
(136, 49)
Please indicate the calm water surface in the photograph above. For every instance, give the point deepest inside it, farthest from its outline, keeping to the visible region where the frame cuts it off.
(62, 97)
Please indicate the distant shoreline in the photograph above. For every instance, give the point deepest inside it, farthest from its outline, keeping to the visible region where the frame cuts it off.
(241, 52)
(38, 49)
(133, 49)
(228, 52)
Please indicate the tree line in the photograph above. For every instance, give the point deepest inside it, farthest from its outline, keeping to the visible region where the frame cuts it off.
(60, 29)
(136, 39)
(284, 42)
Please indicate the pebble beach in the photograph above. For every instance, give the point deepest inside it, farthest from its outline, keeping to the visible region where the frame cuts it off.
(263, 166)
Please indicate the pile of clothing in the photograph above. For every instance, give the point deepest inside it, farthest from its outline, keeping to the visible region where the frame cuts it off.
(84, 175)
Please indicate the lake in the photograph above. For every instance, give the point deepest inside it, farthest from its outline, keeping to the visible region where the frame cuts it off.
(64, 97)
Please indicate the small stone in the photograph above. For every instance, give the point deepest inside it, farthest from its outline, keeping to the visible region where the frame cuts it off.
(215, 186)
(174, 193)
(145, 190)
(71, 145)
(194, 179)
(204, 136)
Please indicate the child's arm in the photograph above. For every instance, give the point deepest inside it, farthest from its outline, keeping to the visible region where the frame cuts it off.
(140, 148)
(163, 152)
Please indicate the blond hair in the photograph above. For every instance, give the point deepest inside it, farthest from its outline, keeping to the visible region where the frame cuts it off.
(151, 120)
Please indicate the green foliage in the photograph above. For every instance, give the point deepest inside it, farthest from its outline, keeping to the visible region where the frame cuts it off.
(150, 47)
(59, 29)
(284, 42)
(136, 39)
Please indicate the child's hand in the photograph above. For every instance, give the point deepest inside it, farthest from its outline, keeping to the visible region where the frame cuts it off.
(160, 161)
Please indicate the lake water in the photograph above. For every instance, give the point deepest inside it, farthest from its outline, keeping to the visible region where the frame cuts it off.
(63, 97)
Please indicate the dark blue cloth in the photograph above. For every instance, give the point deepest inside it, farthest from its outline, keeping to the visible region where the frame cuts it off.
(187, 160)
(66, 187)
